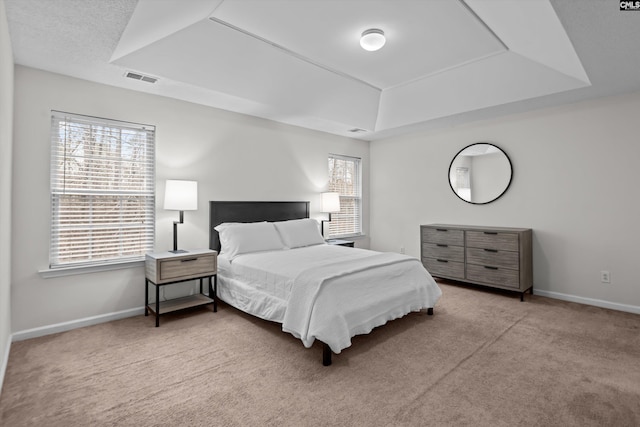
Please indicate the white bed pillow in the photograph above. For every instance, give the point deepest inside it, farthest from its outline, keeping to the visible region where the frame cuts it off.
(297, 233)
(241, 238)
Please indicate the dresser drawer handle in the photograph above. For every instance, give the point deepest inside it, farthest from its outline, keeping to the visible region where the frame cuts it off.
(490, 268)
(440, 245)
(188, 259)
(442, 260)
(492, 250)
(441, 229)
(490, 232)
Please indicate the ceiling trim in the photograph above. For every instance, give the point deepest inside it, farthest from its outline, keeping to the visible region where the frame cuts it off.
(445, 61)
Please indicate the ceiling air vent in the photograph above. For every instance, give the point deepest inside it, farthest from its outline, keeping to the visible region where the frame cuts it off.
(356, 130)
(138, 76)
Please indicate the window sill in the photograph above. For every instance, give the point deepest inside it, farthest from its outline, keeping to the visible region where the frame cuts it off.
(49, 273)
(347, 236)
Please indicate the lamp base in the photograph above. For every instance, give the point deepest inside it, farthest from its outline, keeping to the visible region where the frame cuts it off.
(322, 227)
(175, 235)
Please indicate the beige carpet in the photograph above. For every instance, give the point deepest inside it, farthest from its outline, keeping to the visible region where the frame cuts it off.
(483, 359)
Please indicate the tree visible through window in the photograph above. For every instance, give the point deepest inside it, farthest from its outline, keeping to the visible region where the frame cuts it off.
(102, 190)
(345, 179)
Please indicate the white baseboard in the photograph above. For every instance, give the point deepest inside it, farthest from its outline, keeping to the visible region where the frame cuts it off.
(589, 301)
(5, 361)
(73, 324)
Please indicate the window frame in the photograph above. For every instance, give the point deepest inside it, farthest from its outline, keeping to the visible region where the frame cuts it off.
(141, 190)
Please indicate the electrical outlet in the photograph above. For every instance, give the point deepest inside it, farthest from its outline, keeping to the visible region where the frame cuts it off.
(605, 277)
(401, 249)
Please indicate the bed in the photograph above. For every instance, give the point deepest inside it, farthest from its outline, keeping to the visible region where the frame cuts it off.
(274, 264)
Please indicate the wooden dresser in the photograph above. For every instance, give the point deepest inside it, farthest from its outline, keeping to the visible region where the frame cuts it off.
(499, 257)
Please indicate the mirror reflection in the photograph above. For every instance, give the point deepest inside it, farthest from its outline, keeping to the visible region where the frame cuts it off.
(480, 173)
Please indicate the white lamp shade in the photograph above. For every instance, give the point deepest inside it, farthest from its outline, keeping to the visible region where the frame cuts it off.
(181, 195)
(330, 202)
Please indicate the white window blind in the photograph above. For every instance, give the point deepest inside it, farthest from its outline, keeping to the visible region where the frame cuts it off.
(102, 190)
(345, 179)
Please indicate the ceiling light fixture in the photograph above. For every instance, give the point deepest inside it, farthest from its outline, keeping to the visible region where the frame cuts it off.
(372, 39)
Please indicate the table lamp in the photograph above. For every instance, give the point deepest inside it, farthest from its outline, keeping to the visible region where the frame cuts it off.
(180, 196)
(330, 204)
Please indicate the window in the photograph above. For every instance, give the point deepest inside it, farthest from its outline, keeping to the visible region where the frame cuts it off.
(102, 190)
(345, 179)
(462, 183)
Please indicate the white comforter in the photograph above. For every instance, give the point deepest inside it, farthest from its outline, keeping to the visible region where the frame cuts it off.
(327, 292)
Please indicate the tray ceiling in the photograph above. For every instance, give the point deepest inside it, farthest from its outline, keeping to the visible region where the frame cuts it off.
(299, 62)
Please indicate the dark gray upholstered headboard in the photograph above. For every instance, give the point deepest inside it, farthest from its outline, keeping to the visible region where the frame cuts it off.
(220, 212)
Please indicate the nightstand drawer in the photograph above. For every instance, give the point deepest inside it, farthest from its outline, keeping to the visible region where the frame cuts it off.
(187, 266)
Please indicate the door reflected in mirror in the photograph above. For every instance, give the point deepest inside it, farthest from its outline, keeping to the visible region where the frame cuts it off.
(480, 173)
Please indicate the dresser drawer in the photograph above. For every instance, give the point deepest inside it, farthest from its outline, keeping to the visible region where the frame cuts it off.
(493, 257)
(187, 266)
(443, 251)
(443, 235)
(444, 268)
(493, 240)
(503, 277)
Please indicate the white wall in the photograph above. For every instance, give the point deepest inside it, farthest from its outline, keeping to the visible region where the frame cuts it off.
(232, 156)
(574, 170)
(6, 126)
(574, 177)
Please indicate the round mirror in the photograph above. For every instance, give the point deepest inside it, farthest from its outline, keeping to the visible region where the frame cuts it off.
(480, 173)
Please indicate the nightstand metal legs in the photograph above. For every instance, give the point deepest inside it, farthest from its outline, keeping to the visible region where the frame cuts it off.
(146, 301)
(157, 306)
(160, 307)
(146, 297)
(213, 293)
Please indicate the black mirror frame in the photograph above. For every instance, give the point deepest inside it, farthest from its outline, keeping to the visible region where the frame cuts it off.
(497, 197)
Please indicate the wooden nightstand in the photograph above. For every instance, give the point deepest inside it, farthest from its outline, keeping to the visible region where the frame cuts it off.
(167, 268)
(339, 242)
